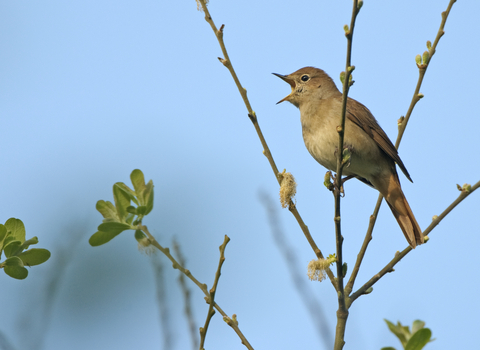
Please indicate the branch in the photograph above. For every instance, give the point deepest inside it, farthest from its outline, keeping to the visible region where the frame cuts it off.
(398, 256)
(202, 286)
(253, 117)
(211, 299)
(342, 313)
(422, 68)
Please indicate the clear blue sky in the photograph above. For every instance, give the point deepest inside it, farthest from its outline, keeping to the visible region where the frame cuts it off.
(91, 90)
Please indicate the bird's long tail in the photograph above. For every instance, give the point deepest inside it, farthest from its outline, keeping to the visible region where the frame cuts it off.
(401, 210)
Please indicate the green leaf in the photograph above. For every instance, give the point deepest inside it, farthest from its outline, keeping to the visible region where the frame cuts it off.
(122, 201)
(29, 242)
(419, 339)
(139, 235)
(3, 234)
(34, 256)
(107, 209)
(138, 181)
(148, 196)
(388, 348)
(131, 209)
(417, 325)
(14, 268)
(16, 228)
(113, 227)
(128, 191)
(13, 248)
(106, 232)
(141, 210)
(399, 331)
(99, 238)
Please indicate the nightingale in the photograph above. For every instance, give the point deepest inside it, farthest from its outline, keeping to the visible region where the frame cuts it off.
(373, 155)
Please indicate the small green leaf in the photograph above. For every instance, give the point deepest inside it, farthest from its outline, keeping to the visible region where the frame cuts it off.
(388, 348)
(131, 193)
(107, 209)
(3, 234)
(419, 339)
(29, 242)
(106, 232)
(16, 228)
(13, 248)
(122, 201)
(417, 325)
(398, 331)
(113, 227)
(14, 268)
(141, 210)
(99, 238)
(138, 181)
(148, 196)
(34, 256)
(131, 209)
(139, 235)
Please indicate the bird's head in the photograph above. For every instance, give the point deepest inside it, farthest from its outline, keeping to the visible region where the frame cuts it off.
(308, 84)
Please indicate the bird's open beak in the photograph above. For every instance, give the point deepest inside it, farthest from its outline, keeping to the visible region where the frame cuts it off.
(288, 80)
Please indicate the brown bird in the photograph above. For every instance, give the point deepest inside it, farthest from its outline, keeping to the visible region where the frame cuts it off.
(373, 155)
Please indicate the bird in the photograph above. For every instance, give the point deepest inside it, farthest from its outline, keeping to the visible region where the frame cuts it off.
(372, 154)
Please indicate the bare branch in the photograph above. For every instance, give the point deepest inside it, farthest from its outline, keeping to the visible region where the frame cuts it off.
(399, 256)
(211, 298)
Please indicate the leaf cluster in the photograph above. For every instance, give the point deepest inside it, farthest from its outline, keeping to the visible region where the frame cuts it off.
(122, 215)
(416, 339)
(15, 248)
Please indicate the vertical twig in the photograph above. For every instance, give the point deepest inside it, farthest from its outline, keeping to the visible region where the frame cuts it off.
(211, 298)
(422, 68)
(202, 286)
(342, 312)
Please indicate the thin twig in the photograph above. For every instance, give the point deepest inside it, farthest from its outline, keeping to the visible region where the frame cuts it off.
(211, 299)
(399, 256)
(186, 296)
(253, 117)
(342, 312)
(401, 129)
(202, 286)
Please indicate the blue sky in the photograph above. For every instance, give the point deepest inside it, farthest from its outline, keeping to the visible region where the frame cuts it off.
(90, 91)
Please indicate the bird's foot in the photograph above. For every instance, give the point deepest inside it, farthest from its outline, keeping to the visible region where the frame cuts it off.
(330, 182)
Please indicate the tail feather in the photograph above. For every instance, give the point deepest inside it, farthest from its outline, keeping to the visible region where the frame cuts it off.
(401, 210)
(408, 224)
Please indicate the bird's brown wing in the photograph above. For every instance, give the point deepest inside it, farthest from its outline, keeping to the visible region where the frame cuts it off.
(360, 115)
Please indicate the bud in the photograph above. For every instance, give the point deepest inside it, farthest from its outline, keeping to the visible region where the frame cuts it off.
(429, 44)
(344, 269)
(342, 77)
(418, 60)
(426, 57)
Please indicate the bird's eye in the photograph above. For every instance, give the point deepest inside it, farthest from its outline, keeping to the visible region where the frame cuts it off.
(305, 77)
